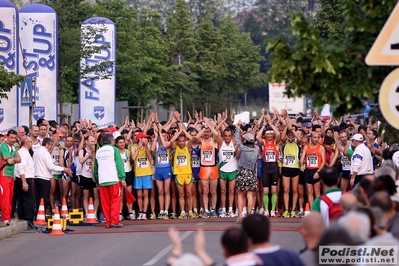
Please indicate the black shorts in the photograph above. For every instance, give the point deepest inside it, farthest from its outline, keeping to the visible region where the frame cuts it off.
(309, 176)
(290, 172)
(86, 183)
(270, 174)
(75, 179)
(345, 174)
(129, 178)
(301, 180)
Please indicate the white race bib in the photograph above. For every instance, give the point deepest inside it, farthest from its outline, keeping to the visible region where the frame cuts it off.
(142, 162)
(181, 160)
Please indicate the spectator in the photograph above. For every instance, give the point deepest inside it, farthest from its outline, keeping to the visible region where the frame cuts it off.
(348, 201)
(311, 229)
(381, 199)
(235, 248)
(329, 176)
(366, 112)
(358, 226)
(257, 228)
(364, 190)
(383, 237)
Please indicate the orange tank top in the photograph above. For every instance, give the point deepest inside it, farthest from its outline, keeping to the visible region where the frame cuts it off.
(313, 157)
(208, 153)
(270, 152)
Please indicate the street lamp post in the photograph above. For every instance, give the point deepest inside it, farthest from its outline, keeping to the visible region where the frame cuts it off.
(32, 106)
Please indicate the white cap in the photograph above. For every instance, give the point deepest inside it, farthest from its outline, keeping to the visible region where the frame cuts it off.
(248, 137)
(358, 137)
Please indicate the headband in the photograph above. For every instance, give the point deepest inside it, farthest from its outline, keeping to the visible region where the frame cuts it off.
(269, 131)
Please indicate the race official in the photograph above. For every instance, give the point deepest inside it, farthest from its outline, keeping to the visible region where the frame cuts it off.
(362, 161)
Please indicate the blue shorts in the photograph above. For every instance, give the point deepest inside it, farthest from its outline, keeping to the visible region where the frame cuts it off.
(195, 173)
(163, 173)
(143, 182)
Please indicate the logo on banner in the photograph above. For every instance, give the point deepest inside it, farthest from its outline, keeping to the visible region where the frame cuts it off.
(39, 112)
(99, 112)
(1, 115)
(7, 55)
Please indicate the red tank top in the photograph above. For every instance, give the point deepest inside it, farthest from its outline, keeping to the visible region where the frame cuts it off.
(313, 157)
(270, 152)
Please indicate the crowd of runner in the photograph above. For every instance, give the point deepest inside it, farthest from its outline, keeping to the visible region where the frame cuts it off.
(200, 168)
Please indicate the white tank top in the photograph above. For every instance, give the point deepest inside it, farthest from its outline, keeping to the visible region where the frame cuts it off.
(55, 155)
(126, 161)
(227, 158)
(86, 166)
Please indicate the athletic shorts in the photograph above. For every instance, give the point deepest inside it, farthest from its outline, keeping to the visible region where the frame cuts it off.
(270, 174)
(346, 174)
(195, 173)
(86, 182)
(309, 177)
(57, 177)
(208, 173)
(228, 176)
(290, 172)
(142, 182)
(301, 180)
(129, 178)
(161, 174)
(76, 179)
(184, 179)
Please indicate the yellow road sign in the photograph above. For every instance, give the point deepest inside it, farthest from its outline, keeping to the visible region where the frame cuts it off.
(385, 50)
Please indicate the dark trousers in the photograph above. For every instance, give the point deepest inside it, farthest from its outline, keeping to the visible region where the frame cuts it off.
(358, 178)
(26, 200)
(42, 191)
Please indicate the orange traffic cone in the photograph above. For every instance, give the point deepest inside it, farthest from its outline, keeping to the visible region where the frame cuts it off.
(91, 216)
(57, 228)
(41, 216)
(64, 210)
(307, 209)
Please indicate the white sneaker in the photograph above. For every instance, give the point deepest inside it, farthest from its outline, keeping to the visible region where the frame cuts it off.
(139, 216)
(261, 211)
(120, 217)
(231, 214)
(236, 213)
(222, 214)
(132, 217)
(244, 214)
(266, 213)
(272, 213)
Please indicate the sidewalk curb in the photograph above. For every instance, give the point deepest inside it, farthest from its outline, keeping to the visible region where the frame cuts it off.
(13, 229)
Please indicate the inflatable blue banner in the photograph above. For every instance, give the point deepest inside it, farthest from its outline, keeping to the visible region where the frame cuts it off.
(38, 32)
(97, 95)
(9, 58)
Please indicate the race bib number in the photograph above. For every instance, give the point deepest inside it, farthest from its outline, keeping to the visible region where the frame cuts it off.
(227, 155)
(142, 162)
(181, 160)
(312, 161)
(163, 159)
(195, 162)
(270, 156)
(56, 159)
(207, 156)
(346, 164)
(289, 160)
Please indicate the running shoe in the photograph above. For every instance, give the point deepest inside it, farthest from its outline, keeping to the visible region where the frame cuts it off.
(266, 213)
(173, 215)
(191, 215)
(132, 217)
(231, 214)
(286, 214)
(161, 216)
(153, 216)
(120, 217)
(293, 214)
(201, 213)
(244, 214)
(214, 214)
(300, 214)
(165, 216)
(182, 215)
(195, 214)
(205, 215)
(140, 216)
(144, 217)
(261, 211)
(119, 225)
(222, 214)
(278, 214)
(272, 213)
(236, 213)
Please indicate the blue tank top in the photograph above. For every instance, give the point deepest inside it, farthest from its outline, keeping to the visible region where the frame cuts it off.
(162, 157)
(195, 157)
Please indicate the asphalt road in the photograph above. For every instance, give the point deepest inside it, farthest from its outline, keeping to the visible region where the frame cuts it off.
(138, 243)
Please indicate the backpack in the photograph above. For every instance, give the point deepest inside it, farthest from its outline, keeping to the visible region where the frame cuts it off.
(334, 209)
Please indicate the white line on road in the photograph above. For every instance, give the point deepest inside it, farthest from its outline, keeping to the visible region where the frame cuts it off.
(166, 250)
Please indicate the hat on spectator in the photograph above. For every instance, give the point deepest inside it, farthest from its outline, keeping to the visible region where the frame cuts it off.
(248, 137)
(141, 135)
(343, 125)
(358, 137)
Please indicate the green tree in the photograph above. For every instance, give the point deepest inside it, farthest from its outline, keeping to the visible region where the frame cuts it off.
(7, 81)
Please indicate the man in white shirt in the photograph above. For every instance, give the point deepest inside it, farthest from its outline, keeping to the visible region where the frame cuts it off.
(43, 166)
(25, 172)
(362, 161)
